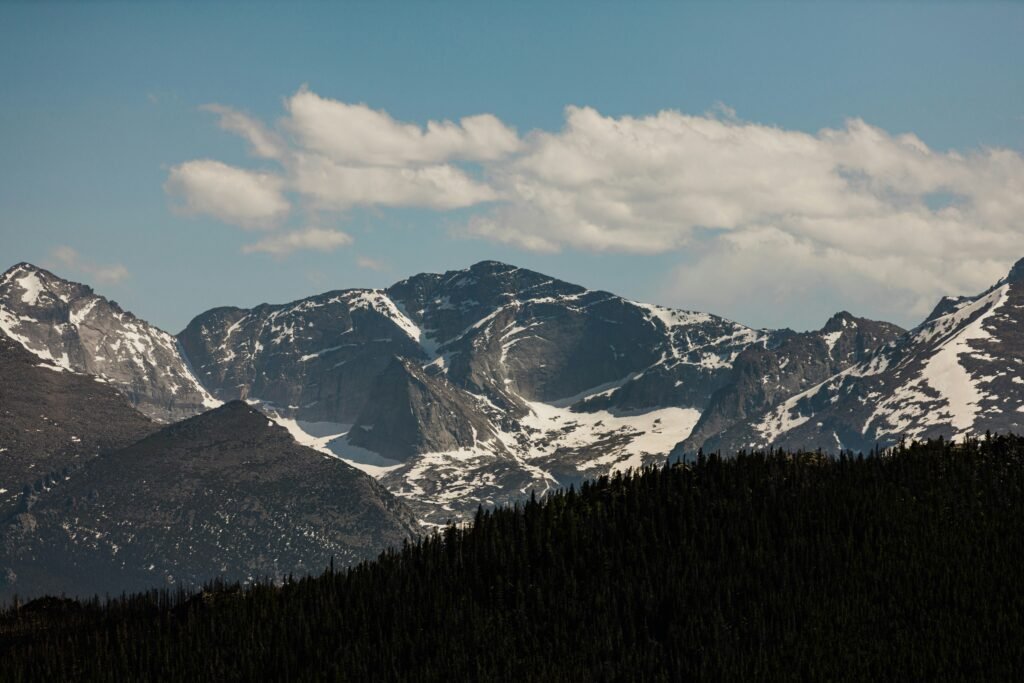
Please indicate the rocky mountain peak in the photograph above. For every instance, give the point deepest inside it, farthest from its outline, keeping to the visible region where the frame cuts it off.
(68, 325)
(25, 285)
(490, 266)
(954, 375)
(1016, 273)
(840, 321)
(242, 418)
(946, 305)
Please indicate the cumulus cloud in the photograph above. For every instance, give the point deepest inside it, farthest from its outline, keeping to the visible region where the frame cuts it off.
(856, 209)
(647, 184)
(357, 134)
(106, 274)
(312, 239)
(332, 156)
(852, 204)
(769, 276)
(249, 199)
(331, 186)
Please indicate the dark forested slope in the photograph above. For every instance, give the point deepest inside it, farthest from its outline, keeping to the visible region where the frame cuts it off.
(53, 420)
(761, 567)
(226, 493)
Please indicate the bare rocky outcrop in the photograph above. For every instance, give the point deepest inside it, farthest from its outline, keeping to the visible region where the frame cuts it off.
(67, 324)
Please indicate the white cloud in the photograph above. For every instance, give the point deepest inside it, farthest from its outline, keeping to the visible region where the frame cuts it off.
(331, 186)
(264, 143)
(854, 204)
(357, 134)
(312, 239)
(250, 199)
(334, 156)
(769, 276)
(880, 218)
(105, 274)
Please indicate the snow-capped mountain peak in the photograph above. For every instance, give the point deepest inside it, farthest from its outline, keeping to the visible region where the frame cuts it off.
(474, 385)
(958, 373)
(68, 325)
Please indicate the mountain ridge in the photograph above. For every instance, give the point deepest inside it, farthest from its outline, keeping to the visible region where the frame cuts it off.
(521, 381)
(225, 493)
(66, 323)
(956, 374)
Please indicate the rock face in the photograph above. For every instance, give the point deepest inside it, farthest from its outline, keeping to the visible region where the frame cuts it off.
(68, 325)
(764, 376)
(454, 389)
(473, 386)
(409, 412)
(226, 493)
(317, 358)
(52, 421)
(959, 373)
(513, 334)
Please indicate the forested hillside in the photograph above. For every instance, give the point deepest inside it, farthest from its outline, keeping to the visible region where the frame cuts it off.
(767, 566)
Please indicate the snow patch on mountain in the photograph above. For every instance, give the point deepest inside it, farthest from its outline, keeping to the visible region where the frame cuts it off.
(830, 338)
(331, 439)
(947, 375)
(11, 324)
(32, 286)
(785, 417)
(644, 434)
(672, 317)
(381, 303)
(65, 324)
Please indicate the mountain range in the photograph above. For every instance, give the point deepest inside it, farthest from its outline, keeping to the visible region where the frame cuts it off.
(957, 374)
(438, 394)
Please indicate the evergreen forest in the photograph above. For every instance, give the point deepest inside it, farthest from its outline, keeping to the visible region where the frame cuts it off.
(899, 565)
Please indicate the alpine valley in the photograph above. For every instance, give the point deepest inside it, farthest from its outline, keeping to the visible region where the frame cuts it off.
(265, 441)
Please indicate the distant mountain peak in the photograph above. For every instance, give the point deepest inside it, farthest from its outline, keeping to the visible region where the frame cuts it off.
(39, 287)
(237, 419)
(839, 321)
(1016, 273)
(956, 374)
(67, 324)
(20, 267)
(492, 266)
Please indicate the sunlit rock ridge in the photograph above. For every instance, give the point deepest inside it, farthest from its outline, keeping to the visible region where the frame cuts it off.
(959, 373)
(477, 386)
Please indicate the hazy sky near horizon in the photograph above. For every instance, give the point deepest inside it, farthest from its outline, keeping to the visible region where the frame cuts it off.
(773, 163)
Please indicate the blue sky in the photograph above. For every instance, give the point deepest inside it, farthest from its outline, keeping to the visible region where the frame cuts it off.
(101, 103)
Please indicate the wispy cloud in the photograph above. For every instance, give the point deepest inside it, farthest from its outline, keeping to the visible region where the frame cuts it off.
(71, 260)
(313, 239)
(371, 263)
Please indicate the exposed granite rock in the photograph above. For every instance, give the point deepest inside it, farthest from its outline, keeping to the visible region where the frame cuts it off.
(69, 325)
(763, 376)
(959, 373)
